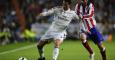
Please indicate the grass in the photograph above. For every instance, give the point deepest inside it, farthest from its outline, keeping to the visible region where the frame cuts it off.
(70, 50)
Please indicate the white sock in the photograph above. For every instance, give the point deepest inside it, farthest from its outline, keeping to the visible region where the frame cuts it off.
(84, 41)
(55, 53)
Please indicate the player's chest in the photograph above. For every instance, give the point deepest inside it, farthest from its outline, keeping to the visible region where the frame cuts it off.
(64, 14)
(84, 10)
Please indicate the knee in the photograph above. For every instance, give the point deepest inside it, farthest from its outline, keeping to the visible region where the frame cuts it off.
(102, 48)
(41, 44)
(82, 36)
(57, 43)
(84, 41)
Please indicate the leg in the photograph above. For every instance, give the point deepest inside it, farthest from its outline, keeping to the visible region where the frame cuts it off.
(98, 38)
(40, 49)
(102, 50)
(57, 43)
(86, 45)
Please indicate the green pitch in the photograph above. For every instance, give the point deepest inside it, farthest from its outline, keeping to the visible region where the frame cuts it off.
(70, 50)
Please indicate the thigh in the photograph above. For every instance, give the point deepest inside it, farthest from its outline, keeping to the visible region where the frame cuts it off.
(83, 36)
(48, 35)
(96, 36)
(57, 43)
(60, 36)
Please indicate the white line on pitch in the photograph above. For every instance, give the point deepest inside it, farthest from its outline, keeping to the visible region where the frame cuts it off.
(18, 49)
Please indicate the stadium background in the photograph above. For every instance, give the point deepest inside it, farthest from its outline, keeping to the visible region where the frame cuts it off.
(20, 26)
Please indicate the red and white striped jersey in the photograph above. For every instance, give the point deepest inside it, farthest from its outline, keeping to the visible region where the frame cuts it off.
(86, 14)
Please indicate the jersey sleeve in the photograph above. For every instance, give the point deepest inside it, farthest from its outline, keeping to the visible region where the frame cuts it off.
(49, 12)
(77, 11)
(75, 16)
(91, 12)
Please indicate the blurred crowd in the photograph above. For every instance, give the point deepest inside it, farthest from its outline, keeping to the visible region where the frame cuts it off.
(9, 26)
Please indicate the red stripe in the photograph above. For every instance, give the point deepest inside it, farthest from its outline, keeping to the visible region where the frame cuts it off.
(78, 11)
(92, 23)
(92, 12)
(88, 16)
(87, 24)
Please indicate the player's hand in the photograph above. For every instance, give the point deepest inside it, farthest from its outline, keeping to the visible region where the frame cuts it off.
(38, 16)
(88, 32)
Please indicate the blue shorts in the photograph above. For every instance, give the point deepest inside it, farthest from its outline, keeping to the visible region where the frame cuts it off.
(95, 35)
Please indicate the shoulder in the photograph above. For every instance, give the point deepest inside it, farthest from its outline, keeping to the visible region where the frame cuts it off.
(72, 11)
(78, 5)
(57, 8)
(91, 5)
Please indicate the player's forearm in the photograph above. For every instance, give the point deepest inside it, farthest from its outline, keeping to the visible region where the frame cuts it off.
(41, 15)
(44, 14)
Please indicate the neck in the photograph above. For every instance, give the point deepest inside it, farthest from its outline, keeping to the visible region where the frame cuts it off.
(66, 8)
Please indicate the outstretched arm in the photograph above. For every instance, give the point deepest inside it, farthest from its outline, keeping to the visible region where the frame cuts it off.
(49, 12)
(46, 13)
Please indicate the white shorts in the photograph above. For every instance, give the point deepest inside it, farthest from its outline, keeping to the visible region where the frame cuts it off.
(54, 35)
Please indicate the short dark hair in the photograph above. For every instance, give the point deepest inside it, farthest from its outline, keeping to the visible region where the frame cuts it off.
(69, 1)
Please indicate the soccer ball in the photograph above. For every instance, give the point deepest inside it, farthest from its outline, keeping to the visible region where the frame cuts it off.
(22, 58)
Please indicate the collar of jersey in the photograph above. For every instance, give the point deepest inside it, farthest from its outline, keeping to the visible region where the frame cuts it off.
(67, 10)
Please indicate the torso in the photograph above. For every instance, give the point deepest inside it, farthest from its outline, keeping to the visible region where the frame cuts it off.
(62, 19)
(88, 22)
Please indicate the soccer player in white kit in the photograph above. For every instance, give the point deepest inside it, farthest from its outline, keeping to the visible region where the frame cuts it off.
(57, 31)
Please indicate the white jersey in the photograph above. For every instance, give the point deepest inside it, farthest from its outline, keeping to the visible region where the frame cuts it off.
(61, 18)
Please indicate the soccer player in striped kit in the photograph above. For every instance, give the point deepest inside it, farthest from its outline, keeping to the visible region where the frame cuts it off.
(85, 10)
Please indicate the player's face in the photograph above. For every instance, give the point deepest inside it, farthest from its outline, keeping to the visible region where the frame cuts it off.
(85, 2)
(65, 5)
(78, 1)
